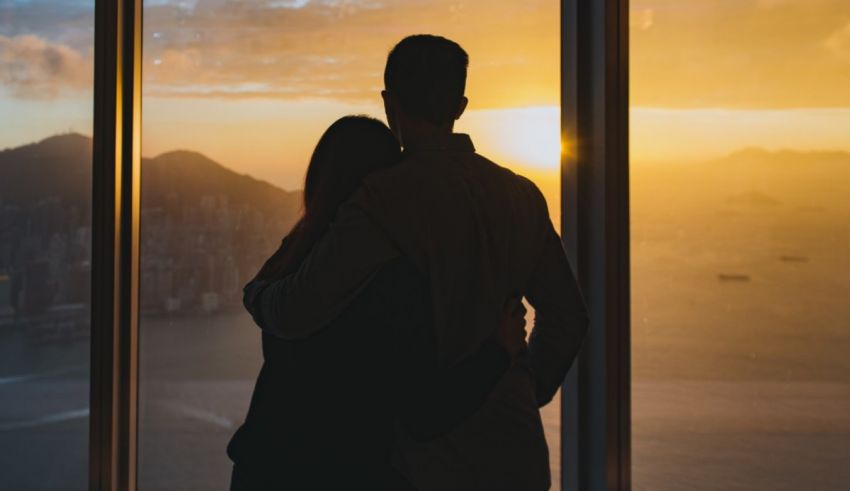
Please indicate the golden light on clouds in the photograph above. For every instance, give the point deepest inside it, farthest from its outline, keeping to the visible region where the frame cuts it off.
(336, 50)
(31, 67)
(839, 43)
(253, 83)
(740, 54)
(642, 19)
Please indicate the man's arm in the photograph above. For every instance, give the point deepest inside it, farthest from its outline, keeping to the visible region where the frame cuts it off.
(434, 401)
(339, 266)
(560, 321)
(439, 399)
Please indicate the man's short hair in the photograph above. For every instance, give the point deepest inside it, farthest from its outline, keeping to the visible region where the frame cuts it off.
(427, 76)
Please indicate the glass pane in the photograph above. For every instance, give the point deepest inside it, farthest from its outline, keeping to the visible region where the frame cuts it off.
(46, 65)
(236, 96)
(740, 242)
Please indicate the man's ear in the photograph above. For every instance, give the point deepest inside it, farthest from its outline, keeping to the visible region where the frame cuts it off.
(463, 103)
(388, 103)
(390, 112)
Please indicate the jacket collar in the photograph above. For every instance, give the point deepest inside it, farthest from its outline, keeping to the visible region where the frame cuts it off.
(456, 142)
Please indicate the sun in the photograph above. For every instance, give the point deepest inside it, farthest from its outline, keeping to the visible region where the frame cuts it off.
(517, 137)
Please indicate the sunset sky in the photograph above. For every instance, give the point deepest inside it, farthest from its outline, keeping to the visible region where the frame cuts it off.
(252, 84)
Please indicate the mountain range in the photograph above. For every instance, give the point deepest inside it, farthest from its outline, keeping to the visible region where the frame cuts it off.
(60, 166)
(205, 228)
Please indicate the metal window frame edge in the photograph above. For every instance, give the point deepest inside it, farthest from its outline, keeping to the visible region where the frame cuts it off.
(596, 397)
(115, 246)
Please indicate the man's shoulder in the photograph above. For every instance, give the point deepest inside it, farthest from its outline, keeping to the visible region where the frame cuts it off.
(518, 182)
(420, 171)
(416, 185)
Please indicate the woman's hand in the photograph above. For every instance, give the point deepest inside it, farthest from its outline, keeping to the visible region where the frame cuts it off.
(279, 264)
(510, 333)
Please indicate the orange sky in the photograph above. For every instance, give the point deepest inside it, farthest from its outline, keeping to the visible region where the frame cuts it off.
(708, 77)
(254, 83)
(740, 54)
(266, 98)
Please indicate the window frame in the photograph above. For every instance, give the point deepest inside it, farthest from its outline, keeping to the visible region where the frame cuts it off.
(596, 396)
(116, 161)
(595, 410)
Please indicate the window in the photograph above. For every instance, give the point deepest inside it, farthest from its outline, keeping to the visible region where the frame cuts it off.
(235, 96)
(740, 170)
(45, 242)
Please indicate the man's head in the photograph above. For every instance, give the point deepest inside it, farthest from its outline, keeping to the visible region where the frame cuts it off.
(424, 84)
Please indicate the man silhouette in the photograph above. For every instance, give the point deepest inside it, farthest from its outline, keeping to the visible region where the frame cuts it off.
(480, 234)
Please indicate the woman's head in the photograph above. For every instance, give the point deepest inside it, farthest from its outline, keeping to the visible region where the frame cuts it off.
(349, 150)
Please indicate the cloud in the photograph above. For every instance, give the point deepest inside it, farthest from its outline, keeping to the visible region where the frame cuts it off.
(699, 53)
(642, 19)
(695, 53)
(769, 4)
(755, 54)
(335, 49)
(33, 68)
(838, 43)
(289, 4)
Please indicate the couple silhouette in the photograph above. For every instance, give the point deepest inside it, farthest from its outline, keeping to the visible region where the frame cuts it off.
(394, 343)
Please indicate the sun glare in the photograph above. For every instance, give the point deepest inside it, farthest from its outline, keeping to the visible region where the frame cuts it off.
(517, 137)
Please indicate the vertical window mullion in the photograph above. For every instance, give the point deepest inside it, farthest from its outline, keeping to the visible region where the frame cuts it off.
(115, 245)
(594, 120)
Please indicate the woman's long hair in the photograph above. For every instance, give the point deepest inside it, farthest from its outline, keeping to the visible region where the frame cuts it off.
(349, 150)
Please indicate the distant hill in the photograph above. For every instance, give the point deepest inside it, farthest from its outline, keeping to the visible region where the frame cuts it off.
(190, 175)
(752, 178)
(60, 166)
(788, 159)
(205, 228)
(762, 178)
